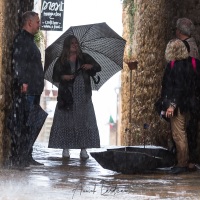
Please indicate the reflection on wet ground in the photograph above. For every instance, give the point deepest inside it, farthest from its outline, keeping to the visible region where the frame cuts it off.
(62, 179)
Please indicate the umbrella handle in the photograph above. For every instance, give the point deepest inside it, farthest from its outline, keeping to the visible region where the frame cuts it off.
(96, 81)
(77, 71)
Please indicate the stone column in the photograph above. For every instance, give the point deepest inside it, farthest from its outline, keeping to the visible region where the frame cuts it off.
(147, 29)
(8, 27)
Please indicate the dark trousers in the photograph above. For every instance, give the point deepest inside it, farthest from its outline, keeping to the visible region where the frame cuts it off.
(32, 100)
(22, 144)
(192, 131)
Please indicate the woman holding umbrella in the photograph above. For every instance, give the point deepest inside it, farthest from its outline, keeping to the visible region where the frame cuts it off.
(74, 124)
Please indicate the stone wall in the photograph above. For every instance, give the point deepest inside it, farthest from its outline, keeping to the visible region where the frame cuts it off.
(148, 26)
(151, 29)
(9, 13)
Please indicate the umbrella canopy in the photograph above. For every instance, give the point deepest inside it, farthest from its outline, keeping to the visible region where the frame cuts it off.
(135, 159)
(97, 40)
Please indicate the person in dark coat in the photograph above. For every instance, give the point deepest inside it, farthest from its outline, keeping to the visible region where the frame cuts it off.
(74, 124)
(180, 86)
(28, 86)
(184, 31)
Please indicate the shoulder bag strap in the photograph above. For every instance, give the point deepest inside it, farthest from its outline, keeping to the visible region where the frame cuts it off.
(194, 64)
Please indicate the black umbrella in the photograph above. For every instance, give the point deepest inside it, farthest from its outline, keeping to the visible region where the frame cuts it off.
(97, 40)
(135, 159)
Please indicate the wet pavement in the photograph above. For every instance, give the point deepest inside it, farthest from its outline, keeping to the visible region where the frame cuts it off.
(60, 179)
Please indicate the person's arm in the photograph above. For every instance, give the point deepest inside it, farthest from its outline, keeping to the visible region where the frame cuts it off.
(167, 84)
(20, 62)
(58, 76)
(57, 71)
(178, 89)
(90, 65)
(165, 81)
(197, 79)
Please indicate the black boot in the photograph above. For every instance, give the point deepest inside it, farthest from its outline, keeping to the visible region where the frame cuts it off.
(178, 170)
(34, 162)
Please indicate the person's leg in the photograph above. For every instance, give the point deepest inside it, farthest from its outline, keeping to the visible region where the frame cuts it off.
(32, 100)
(83, 154)
(65, 153)
(23, 139)
(192, 129)
(180, 139)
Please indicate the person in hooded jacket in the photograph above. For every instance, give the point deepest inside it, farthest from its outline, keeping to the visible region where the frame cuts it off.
(181, 86)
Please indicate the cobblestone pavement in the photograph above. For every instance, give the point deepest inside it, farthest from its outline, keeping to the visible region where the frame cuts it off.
(75, 179)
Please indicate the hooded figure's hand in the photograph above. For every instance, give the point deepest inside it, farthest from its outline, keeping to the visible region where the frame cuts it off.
(170, 112)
